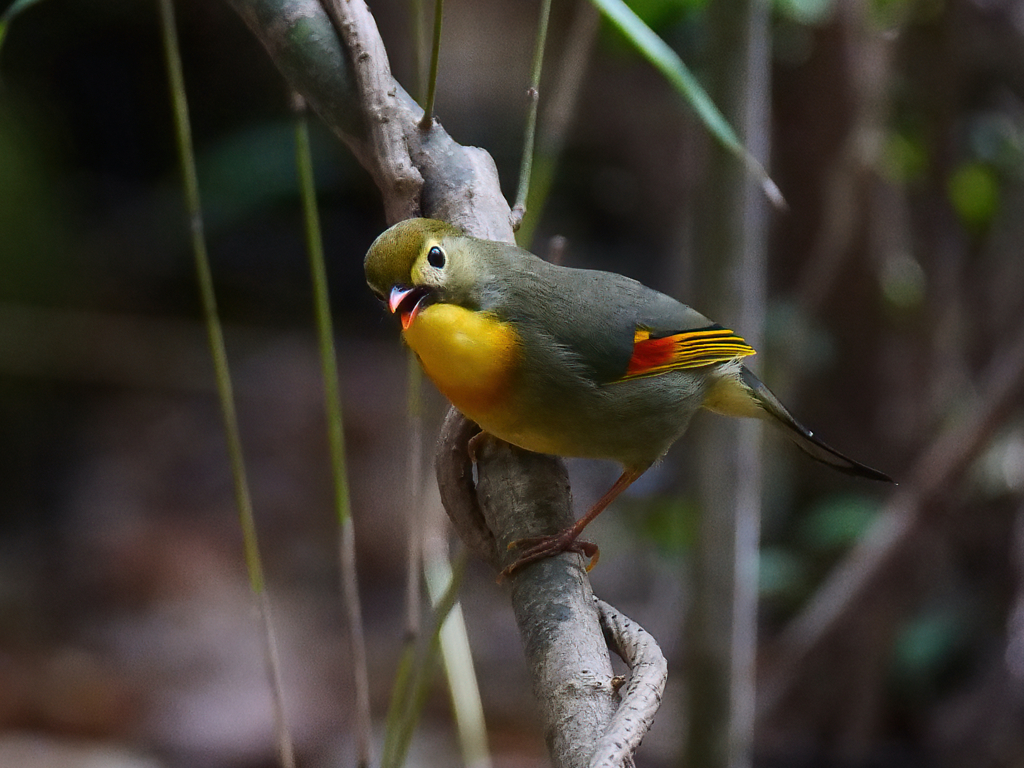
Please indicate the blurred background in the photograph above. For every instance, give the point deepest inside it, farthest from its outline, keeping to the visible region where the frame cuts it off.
(895, 298)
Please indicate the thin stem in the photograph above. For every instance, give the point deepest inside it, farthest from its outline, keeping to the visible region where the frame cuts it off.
(418, 48)
(186, 156)
(414, 496)
(414, 560)
(456, 652)
(357, 641)
(322, 310)
(435, 53)
(396, 711)
(519, 209)
(415, 675)
(559, 108)
(335, 432)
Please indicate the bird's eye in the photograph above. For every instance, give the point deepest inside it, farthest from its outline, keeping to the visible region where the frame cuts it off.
(435, 257)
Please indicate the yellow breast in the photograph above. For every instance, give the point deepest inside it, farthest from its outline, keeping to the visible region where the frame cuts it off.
(470, 356)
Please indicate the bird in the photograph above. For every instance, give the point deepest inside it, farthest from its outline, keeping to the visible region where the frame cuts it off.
(567, 361)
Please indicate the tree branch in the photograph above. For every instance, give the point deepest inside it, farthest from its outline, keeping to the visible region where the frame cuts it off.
(458, 492)
(552, 600)
(460, 184)
(388, 159)
(649, 673)
(519, 494)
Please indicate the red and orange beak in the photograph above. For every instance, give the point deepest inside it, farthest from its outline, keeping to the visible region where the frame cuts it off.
(407, 302)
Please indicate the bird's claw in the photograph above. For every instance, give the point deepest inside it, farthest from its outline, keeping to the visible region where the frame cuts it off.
(474, 444)
(542, 547)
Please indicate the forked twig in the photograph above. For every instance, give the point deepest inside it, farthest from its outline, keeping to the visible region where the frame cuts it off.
(642, 697)
(389, 160)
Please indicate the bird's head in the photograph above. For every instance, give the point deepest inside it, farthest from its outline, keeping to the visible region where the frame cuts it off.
(419, 262)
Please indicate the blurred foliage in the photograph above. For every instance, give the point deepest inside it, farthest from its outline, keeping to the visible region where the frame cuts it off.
(904, 282)
(974, 192)
(927, 650)
(825, 532)
(889, 14)
(996, 137)
(805, 11)
(783, 575)
(253, 170)
(668, 522)
(904, 157)
(835, 523)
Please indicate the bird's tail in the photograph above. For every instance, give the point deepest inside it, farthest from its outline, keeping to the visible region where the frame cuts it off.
(746, 395)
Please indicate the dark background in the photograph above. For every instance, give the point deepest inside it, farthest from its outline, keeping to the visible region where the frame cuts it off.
(895, 281)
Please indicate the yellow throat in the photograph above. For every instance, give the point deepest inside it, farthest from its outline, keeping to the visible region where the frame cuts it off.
(470, 356)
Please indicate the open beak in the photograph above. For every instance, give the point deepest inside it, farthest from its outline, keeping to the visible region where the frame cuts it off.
(407, 303)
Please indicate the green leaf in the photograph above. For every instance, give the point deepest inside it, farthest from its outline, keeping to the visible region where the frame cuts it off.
(667, 61)
(904, 158)
(658, 13)
(838, 522)
(8, 16)
(974, 192)
(926, 643)
(806, 11)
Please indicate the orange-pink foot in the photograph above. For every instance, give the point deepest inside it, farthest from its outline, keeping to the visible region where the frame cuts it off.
(541, 547)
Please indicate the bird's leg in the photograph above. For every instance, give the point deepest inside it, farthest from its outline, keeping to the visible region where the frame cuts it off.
(474, 444)
(540, 547)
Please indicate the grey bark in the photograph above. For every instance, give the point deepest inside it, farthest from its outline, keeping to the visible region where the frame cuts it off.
(642, 696)
(585, 722)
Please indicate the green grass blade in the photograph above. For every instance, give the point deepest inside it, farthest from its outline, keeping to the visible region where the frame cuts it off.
(667, 61)
(416, 672)
(322, 312)
(225, 390)
(399, 695)
(526, 166)
(559, 107)
(419, 46)
(335, 435)
(435, 55)
(414, 493)
(458, 663)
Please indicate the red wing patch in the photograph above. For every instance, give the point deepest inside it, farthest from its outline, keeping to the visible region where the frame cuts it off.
(691, 349)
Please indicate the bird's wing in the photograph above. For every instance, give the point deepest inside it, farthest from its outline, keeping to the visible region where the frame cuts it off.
(606, 327)
(659, 352)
